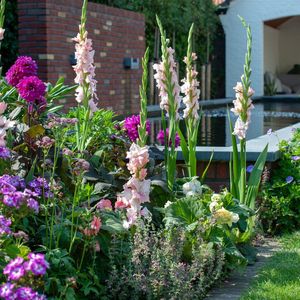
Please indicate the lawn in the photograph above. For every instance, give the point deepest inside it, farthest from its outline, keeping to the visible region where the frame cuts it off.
(280, 278)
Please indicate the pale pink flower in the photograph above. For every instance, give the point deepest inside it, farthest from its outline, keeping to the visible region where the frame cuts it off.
(3, 107)
(2, 30)
(240, 128)
(104, 204)
(120, 204)
(138, 159)
(160, 78)
(97, 247)
(85, 69)
(94, 227)
(191, 91)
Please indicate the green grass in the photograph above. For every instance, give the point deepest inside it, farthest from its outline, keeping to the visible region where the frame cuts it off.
(280, 278)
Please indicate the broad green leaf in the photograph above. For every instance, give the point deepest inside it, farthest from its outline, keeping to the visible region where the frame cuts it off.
(35, 131)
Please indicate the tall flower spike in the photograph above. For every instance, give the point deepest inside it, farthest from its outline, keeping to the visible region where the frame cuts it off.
(190, 84)
(85, 68)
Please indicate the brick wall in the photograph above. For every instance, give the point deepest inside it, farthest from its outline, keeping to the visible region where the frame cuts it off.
(46, 28)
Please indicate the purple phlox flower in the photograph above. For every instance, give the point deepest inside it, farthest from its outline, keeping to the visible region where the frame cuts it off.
(296, 157)
(33, 204)
(161, 138)
(289, 179)
(15, 269)
(6, 290)
(23, 67)
(14, 199)
(4, 153)
(5, 223)
(31, 88)
(40, 185)
(12, 181)
(131, 125)
(250, 168)
(26, 293)
(270, 131)
(36, 264)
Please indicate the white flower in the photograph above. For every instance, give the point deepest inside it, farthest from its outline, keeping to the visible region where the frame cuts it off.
(216, 197)
(168, 203)
(192, 188)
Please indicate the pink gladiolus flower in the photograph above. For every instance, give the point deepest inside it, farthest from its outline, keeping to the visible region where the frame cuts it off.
(3, 107)
(2, 33)
(120, 204)
(104, 204)
(240, 129)
(160, 78)
(138, 159)
(191, 92)
(85, 69)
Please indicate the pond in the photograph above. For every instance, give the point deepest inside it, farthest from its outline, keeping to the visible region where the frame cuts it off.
(214, 127)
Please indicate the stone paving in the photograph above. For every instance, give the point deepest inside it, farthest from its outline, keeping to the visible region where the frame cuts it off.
(239, 281)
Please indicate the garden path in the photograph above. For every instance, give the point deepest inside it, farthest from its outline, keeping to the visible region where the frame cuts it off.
(239, 281)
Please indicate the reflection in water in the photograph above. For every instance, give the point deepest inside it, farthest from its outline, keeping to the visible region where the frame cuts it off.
(214, 127)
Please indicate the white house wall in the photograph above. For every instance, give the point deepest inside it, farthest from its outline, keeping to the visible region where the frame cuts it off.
(289, 44)
(255, 12)
(271, 49)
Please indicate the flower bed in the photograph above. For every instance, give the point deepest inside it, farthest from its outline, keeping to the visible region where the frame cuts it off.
(85, 209)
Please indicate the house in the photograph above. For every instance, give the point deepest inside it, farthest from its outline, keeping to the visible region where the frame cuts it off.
(276, 41)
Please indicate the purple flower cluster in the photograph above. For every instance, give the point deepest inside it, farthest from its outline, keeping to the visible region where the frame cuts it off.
(24, 66)
(39, 186)
(18, 267)
(161, 138)
(4, 225)
(4, 153)
(60, 122)
(15, 194)
(8, 291)
(131, 125)
(32, 89)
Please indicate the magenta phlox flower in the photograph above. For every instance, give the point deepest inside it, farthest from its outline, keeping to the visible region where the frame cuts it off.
(7, 290)
(161, 138)
(131, 125)
(15, 269)
(31, 88)
(24, 66)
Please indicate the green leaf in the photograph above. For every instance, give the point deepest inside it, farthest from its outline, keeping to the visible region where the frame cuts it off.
(184, 147)
(30, 174)
(255, 177)
(207, 167)
(12, 250)
(183, 212)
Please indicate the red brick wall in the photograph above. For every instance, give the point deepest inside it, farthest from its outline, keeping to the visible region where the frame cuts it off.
(46, 28)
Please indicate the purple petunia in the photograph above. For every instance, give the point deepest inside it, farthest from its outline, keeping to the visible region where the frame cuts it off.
(4, 153)
(24, 66)
(161, 138)
(4, 225)
(131, 125)
(36, 264)
(15, 269)
(289, 179)
(31, 88)
(6, 290)
(250, 168)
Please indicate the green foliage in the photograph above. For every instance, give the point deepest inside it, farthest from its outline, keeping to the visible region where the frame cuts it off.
(10, 45)
(156, 269)
(279, 209)
(177, 16)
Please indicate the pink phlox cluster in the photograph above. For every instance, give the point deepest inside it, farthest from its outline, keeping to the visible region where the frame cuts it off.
(137, 189)
(160, 78)
(191, 92)
(85, 69)
(241, 110)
